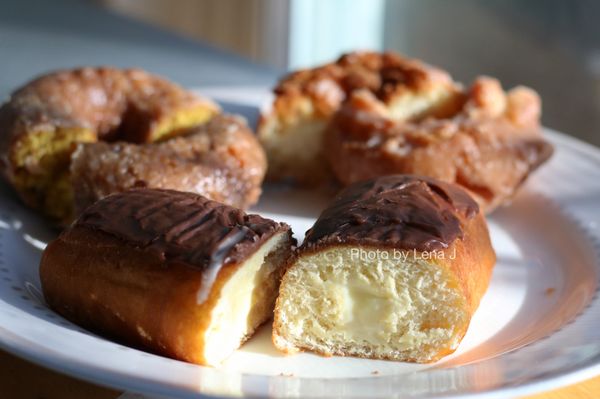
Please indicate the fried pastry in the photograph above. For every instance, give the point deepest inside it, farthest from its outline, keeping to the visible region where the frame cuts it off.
(292, 129)
(393, 268)
(44, 122)
(489, 146)
(167, 271)
(221, 160)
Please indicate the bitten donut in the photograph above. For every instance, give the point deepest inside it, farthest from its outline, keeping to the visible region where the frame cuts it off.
(292, 129)
(168, 271)
(393, 268)
(220, 159)
(42, 123)
(489, 145)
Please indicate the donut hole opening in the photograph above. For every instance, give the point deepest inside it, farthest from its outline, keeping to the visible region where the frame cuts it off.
(344, 301)
(246, 300)
(140, 125)
(178, 123)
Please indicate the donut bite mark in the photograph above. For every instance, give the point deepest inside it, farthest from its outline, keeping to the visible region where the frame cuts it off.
(43, 121)
(393, 268)
(167, 271)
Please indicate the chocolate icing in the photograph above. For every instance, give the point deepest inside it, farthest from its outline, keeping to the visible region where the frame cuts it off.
(400, 211)
(180, 226)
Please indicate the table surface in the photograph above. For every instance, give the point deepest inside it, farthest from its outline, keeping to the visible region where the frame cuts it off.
(37, 36)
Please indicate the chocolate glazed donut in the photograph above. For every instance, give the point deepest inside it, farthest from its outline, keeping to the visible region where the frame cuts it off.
(394, 268)
(170, 272)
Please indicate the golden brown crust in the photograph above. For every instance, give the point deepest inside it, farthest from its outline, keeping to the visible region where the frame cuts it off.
(145, 277)
(119, 291)
(314, 95)
(386, 75)
(151, 307)
(221, 160)
(489, 147)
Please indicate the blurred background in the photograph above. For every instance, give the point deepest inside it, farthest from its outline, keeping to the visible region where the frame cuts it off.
(550, 45)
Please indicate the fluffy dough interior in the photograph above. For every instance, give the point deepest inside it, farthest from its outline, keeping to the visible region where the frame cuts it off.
(335, 302)
(246, 300)
(41, 162)
(294, 148)
(437, 102)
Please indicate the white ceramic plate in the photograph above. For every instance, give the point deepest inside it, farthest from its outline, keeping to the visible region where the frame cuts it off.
(538, 326)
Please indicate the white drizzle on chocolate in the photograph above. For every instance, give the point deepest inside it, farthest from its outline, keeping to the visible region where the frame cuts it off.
(217, 261)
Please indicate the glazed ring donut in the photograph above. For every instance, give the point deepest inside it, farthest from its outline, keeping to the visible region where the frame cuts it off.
(292, 130)
(43, 122)
(489, 145)
(221, 160)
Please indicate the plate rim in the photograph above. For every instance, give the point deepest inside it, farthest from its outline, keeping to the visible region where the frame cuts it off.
(33, 352)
